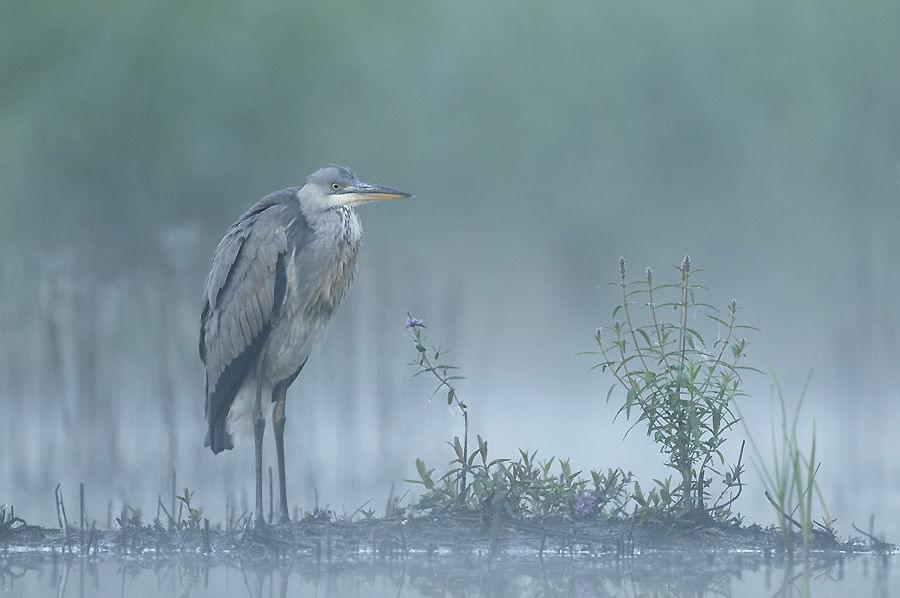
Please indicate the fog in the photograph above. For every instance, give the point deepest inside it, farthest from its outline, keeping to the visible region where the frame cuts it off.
(542, 141)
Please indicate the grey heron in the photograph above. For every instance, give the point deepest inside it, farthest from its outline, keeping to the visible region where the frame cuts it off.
(276, 280)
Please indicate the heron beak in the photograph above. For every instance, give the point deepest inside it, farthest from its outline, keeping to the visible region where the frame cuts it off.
(361, 193)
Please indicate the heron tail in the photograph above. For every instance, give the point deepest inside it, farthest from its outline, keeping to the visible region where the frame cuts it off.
(218, 438)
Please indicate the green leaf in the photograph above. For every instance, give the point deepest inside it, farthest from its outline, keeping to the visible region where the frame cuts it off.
(639, 494)
(425, 474)
(457, 447)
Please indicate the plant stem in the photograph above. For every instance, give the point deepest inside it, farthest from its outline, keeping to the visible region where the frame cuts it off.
(465, 465)
(637, 346)
(684, 423)
(656, 325)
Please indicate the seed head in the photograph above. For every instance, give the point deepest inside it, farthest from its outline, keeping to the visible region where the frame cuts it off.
(622, 267)
(649, 273)
(686, 264)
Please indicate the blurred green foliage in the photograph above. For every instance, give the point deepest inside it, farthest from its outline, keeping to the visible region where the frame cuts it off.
(117, 119)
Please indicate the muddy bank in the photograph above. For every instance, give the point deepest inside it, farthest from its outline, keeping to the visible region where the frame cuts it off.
(424, 536)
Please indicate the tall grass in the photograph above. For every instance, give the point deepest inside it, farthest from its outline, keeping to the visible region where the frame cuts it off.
(790, 476)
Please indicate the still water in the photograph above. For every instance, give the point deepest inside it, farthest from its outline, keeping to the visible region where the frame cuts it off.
(734, 576)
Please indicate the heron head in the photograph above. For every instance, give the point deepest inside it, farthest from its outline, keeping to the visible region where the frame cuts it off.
(337, 186)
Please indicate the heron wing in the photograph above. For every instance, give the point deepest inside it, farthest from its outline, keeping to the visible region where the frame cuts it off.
(243, 295)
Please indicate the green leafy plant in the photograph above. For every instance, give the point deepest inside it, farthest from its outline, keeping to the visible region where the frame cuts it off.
(655, 504)
(522, 487)
(679, 383)
(526, 487)
(194, 514)
(428, 361)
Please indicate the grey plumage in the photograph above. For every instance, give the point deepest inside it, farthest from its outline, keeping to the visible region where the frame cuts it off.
(276, 280)
(243, 297)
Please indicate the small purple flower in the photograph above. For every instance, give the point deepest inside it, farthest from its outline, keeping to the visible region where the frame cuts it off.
(585, 503)
(412, 322)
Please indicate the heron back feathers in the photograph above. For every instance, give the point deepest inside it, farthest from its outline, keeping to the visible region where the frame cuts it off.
(243, 295)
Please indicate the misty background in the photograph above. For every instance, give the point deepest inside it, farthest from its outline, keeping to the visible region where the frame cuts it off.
(542, 141)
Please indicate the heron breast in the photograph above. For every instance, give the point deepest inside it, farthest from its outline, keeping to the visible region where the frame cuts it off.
(318, 277)
(325, 271)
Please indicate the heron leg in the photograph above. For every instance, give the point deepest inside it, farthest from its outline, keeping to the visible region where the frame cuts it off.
(278, 419)
(259, 427)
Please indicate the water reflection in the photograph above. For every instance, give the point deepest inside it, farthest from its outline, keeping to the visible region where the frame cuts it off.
(699, 575)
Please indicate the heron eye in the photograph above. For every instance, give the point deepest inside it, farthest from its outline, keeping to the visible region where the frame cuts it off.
(335, 186)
